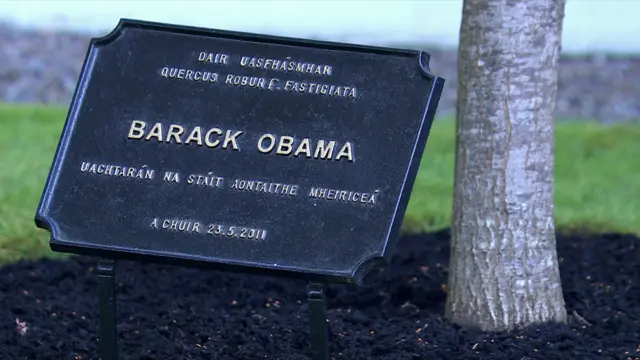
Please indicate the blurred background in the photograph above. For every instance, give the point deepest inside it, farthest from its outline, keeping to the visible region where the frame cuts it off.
(43, 43)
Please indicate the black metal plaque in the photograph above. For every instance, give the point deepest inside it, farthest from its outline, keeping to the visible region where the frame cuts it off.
(239, 151)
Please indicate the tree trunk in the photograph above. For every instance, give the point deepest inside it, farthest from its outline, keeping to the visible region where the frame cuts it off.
(504, 269)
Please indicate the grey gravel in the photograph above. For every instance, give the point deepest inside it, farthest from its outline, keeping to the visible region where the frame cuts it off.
(41, 66)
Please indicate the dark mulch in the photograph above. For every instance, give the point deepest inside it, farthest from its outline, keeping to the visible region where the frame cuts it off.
(177, 313)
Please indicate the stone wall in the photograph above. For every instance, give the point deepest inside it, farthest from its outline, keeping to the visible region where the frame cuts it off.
(590, 87)
(42, 67)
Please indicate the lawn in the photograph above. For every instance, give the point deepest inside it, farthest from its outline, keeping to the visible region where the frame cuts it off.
(597, 178)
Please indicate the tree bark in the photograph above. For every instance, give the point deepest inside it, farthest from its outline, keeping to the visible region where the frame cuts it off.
(504, 270)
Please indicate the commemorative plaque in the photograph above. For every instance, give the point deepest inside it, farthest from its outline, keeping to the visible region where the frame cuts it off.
(239, 152)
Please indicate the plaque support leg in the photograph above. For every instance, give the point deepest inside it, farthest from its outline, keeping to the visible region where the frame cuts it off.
(318, 321)
(108, 327)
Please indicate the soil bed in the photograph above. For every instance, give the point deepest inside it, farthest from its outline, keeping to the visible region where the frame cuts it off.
(170, 312)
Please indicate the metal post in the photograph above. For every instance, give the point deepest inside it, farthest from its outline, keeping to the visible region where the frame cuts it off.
(318, 321)
(108, 314)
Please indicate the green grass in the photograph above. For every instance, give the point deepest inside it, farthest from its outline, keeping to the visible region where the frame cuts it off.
(597, 178)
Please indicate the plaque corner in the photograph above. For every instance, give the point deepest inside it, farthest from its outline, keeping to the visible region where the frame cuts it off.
(365, 268)
(45, 222)
(424, 59)
(114, 34)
